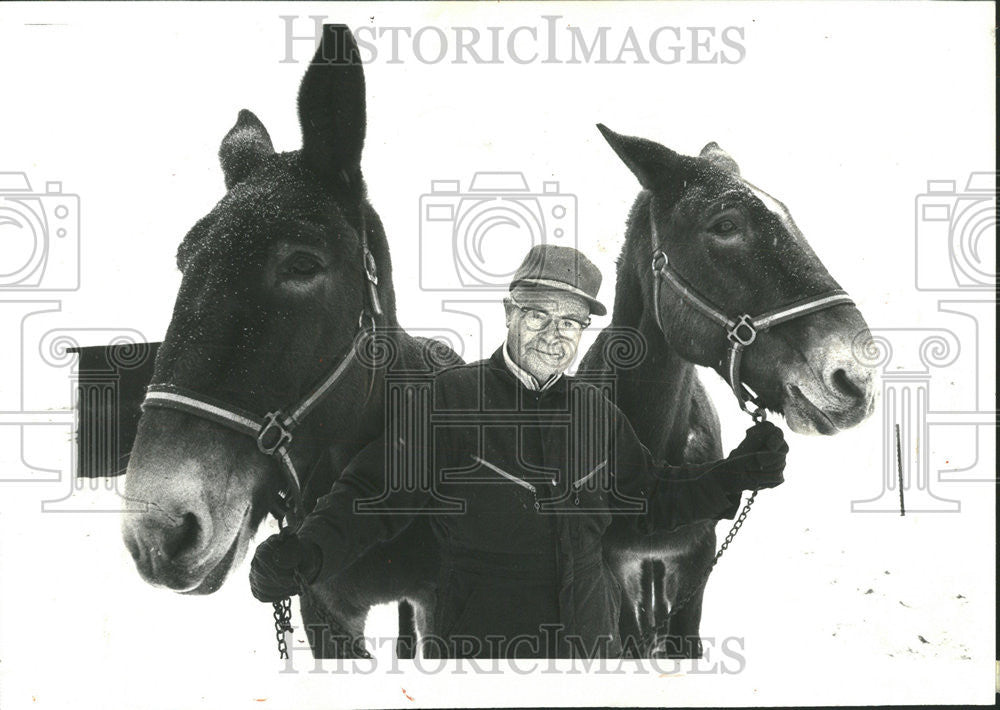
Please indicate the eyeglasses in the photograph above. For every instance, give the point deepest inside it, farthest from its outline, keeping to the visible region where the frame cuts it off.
(539, 319)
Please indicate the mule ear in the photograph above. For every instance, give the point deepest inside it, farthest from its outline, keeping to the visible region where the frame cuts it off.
(649, 161)
(719, 158)
(244, 148)
(332, 105)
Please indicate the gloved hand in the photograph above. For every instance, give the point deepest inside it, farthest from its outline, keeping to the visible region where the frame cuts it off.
(758, 462)
(276, 562)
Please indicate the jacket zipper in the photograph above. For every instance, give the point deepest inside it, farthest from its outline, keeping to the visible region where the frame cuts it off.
(578, 484)
(580, 481)
(511, 477)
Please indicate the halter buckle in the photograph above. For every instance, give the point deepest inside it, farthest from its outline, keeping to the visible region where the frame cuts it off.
(743, 331)
(659, 260)
(371, 268)
(273, 434)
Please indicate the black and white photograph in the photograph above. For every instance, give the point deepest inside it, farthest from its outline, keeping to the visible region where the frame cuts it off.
(473, 354)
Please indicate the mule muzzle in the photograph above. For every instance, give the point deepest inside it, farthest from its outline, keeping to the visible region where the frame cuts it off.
(171, 549)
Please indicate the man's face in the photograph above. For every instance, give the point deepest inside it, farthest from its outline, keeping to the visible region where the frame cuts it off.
(544, 349)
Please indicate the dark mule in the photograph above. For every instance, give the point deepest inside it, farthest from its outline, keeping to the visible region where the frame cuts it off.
(277, 291)
(736, 250)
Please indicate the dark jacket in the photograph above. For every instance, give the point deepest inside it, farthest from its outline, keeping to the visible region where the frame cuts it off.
(520, 486)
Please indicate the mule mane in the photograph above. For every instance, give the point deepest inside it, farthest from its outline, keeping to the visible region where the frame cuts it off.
(630, 303)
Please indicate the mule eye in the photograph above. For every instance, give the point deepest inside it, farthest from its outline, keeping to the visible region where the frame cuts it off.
(724, 227)
(303, 265)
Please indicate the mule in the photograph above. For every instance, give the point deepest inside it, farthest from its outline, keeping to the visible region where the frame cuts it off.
(732, 249)
(285, 284)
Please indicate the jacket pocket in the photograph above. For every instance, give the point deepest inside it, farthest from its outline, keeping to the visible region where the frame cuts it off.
(505, 474)
(579, 483)
(510, 477)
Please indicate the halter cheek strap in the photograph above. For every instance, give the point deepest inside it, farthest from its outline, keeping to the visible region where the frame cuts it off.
(742, 331)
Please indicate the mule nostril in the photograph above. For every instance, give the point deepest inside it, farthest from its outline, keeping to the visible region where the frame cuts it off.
(182, 536)
(843, 383)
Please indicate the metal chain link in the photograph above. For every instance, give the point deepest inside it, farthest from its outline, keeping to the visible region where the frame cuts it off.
(282, 623)
(694, 589)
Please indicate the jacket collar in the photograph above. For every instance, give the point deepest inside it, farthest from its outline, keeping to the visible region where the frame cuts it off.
(502, 362)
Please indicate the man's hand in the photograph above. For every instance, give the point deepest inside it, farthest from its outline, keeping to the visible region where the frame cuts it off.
(759, 460)
(275, 564)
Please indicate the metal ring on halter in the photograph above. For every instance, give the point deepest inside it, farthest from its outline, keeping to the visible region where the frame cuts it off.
(758, 414)
(273, 424)
(371, 321)
(743, 331)
(747, 397)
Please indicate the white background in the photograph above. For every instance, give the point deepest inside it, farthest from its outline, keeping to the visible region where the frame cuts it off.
(844, 112)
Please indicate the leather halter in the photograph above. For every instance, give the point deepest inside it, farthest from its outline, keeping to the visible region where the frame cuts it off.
(742, 331)
(274, 433)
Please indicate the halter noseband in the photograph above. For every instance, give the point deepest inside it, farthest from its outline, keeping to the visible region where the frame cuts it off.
(274, 433)
(742, 331)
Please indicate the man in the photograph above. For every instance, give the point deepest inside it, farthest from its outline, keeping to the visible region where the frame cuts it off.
(522, 469)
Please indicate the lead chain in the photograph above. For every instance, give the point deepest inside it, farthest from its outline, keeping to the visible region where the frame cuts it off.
(282, 623)
(737, 524)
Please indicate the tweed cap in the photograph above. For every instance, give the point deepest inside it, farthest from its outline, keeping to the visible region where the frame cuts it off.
(562, 269)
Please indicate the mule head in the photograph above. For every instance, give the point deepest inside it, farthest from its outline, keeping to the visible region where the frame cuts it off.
(271, 293)
(739, 249)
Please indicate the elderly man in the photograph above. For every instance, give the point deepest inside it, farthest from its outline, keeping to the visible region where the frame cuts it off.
(522, 469)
